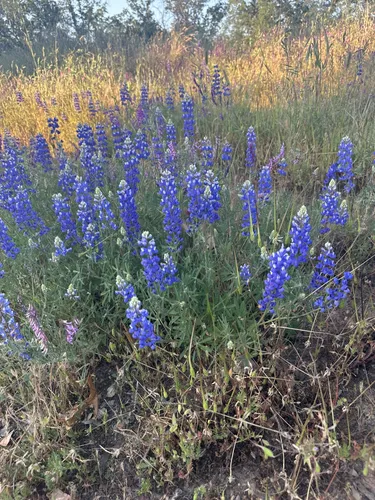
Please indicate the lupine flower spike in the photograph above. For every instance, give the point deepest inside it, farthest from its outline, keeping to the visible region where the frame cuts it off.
(141, 328)
(333, 212)
(276, 279)
(300, 235)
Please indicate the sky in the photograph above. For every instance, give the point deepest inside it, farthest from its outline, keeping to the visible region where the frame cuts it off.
(116, 6)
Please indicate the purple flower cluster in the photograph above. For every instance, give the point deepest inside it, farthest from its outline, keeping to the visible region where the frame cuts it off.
(125, 95)
(275, 280)
(157, 275)
(150, 261)
(71, 329)
(265, 184)
(333, 210)
(102, 140)
(342, 169)
(141, 328)
(103, 211)
(23, 213)
(64, 216)
(131, 162)
(171, 209)
(125, 289)
(204, 197)
(169, 101)
(171, 134)
(226, 152)
(300, 237)
(188, 116)
(41, 153)
(141, 145)
(76, 103)
(6, 243)
(128, 211)
(216, 84)
(251, 150)
(37, 329)
(245, 274)
(329, 289)
(9, 328)
(66, 180)
(60, 249)
(207, 153)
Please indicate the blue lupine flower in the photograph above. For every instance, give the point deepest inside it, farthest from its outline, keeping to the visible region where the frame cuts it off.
(131, 162)
(281, 167)
(19, 97)
(188, 116)
(300, 235)
(211, 197)
(141, 145)
(85, 136)
(245, 274)
(126, 290)
(265, 184)
(12, 174)
(275, 280)
(23, 213)
(76, 103)
(85, 215)
(158, 150)
(91, 239)
(329, 289)
(141, 328)
(67, 180)
(64, 216)
(342, 169)
(102, 140)
(6, 243)
(251, 150)
(150, 261)
(195, 193)
(9, 328)
(204, 197)
(104, 214)
(144, 97)
(117, 135)
(92, 164)
(128, 211)
(170, 161)
(168, 272)
(333, 212)
(2, 272)
(41, 153)
(171, 210)
(169, 101)
(325, 268)
(226, 90)
(171, 133)
(92, 108)
(60, 249)
(125, 95)
(226, 154)
(181, 91)
(249, 207)
(207, 153)
(54, 128)
(216, 84)
(71, 293)
(345, 164)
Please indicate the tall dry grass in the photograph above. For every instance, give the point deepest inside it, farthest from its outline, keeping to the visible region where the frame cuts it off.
(272, 72)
